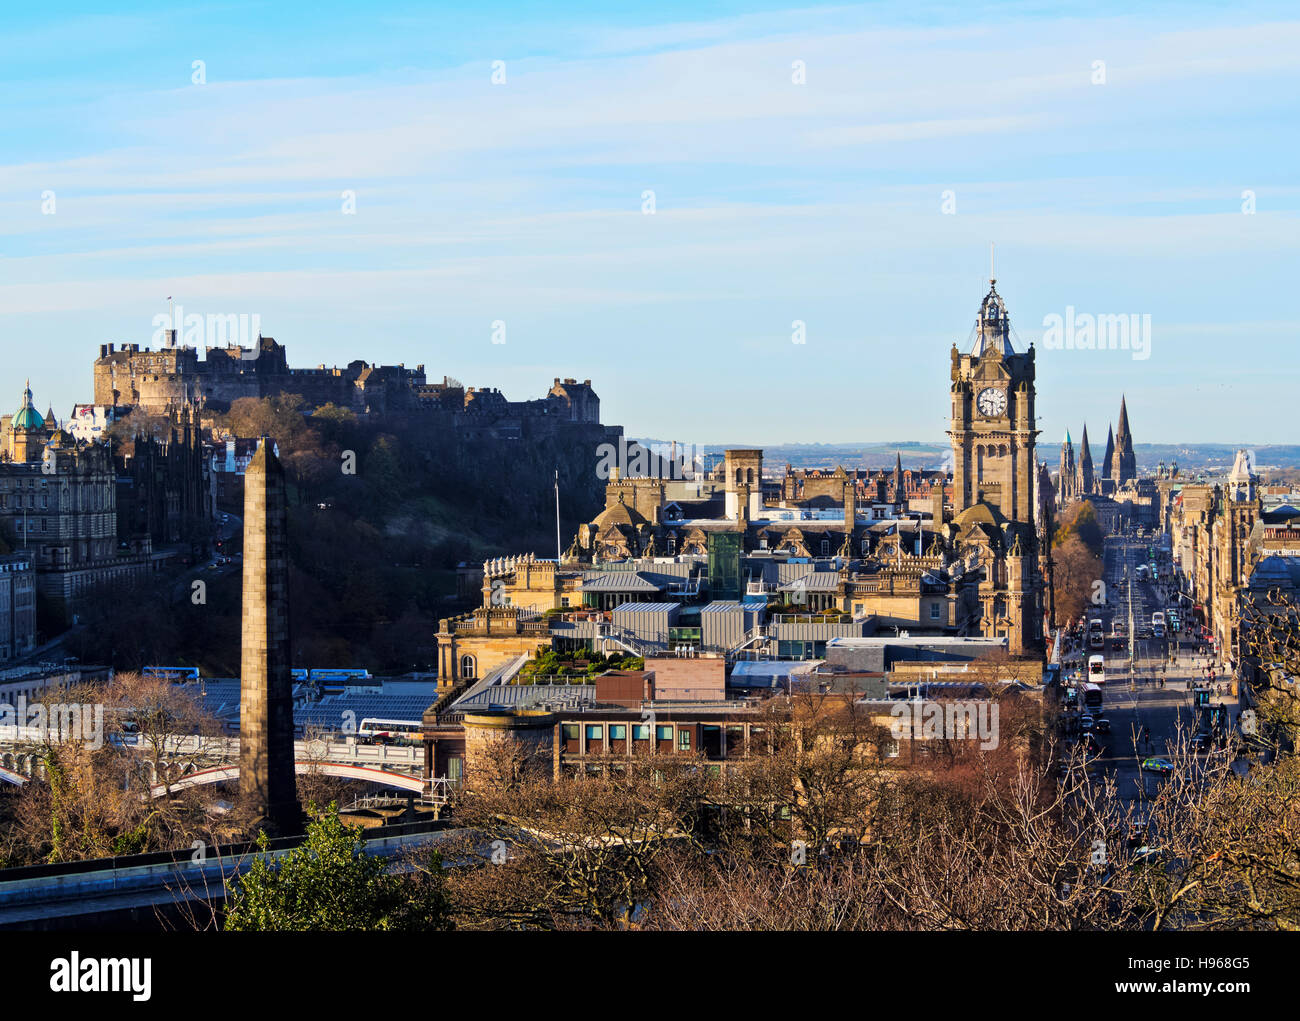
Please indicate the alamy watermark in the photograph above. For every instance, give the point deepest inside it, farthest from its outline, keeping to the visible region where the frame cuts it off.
(1083, 331)
(952, 721)
(59, 721)
(240, 329)
(629, 459)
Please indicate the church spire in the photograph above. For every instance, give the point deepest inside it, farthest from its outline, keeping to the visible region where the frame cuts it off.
(1125, 466)
(1085, 464)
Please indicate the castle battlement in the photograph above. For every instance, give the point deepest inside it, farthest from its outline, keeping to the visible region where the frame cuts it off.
(172, 377)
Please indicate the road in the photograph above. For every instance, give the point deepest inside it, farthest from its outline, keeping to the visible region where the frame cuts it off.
(1134, 698)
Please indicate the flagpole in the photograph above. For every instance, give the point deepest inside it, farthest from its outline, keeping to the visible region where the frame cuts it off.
(557, 516)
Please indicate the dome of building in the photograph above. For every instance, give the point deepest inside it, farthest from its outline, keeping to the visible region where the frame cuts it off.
(980, 514)
(620, 514)
(28, 417)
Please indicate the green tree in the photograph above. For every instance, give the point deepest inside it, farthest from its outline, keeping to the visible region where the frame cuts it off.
(1081, 520)
(330, 884)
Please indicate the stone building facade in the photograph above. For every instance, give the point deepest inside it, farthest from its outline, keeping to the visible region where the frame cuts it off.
(1228, 548)
(164, 486)
(58, 506)
(17, 606)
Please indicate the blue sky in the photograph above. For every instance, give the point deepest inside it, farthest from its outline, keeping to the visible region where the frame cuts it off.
(522, 202)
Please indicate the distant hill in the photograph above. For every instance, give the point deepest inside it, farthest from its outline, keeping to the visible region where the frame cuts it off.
(1209, 457)
(850, 455)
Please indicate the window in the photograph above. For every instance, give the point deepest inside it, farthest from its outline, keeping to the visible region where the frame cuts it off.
(664, 733)
(826, 547)
(595, 732)
(934, 611)
(617, 732)
(891, 749)
(684, 740)
(570, 732)
(467, 667)
(641, 732)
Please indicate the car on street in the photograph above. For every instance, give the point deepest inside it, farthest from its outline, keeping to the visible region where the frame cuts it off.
(1101, 725)
(1157, 764)
(1085, 723)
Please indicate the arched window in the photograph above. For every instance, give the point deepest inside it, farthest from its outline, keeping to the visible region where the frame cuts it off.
(749, 476)
(467, 667)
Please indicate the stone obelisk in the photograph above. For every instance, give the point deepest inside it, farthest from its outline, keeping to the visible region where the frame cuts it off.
(266, 778)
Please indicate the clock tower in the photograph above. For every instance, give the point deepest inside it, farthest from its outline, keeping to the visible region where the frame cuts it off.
(994, 471)
(993, 430)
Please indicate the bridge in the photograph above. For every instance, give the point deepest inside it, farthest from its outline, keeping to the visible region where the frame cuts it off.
(220, 774)
(206, 760)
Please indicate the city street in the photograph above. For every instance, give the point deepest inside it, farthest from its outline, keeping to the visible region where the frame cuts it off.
(1133, 696)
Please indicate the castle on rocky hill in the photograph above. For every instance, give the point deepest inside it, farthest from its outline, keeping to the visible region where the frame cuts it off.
(172, 378)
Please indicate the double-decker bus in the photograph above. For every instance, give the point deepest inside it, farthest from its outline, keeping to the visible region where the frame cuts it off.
(1096, 670)
(1092, 696)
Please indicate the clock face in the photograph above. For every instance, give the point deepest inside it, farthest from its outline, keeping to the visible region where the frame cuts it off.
(992, 401)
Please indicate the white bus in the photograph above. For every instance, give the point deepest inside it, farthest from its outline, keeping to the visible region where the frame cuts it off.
(1096, 634)
(403, 731)
(1096, 670)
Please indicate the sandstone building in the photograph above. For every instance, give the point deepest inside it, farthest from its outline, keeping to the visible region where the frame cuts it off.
(830, 554)
(58, 506)
(17, 606)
